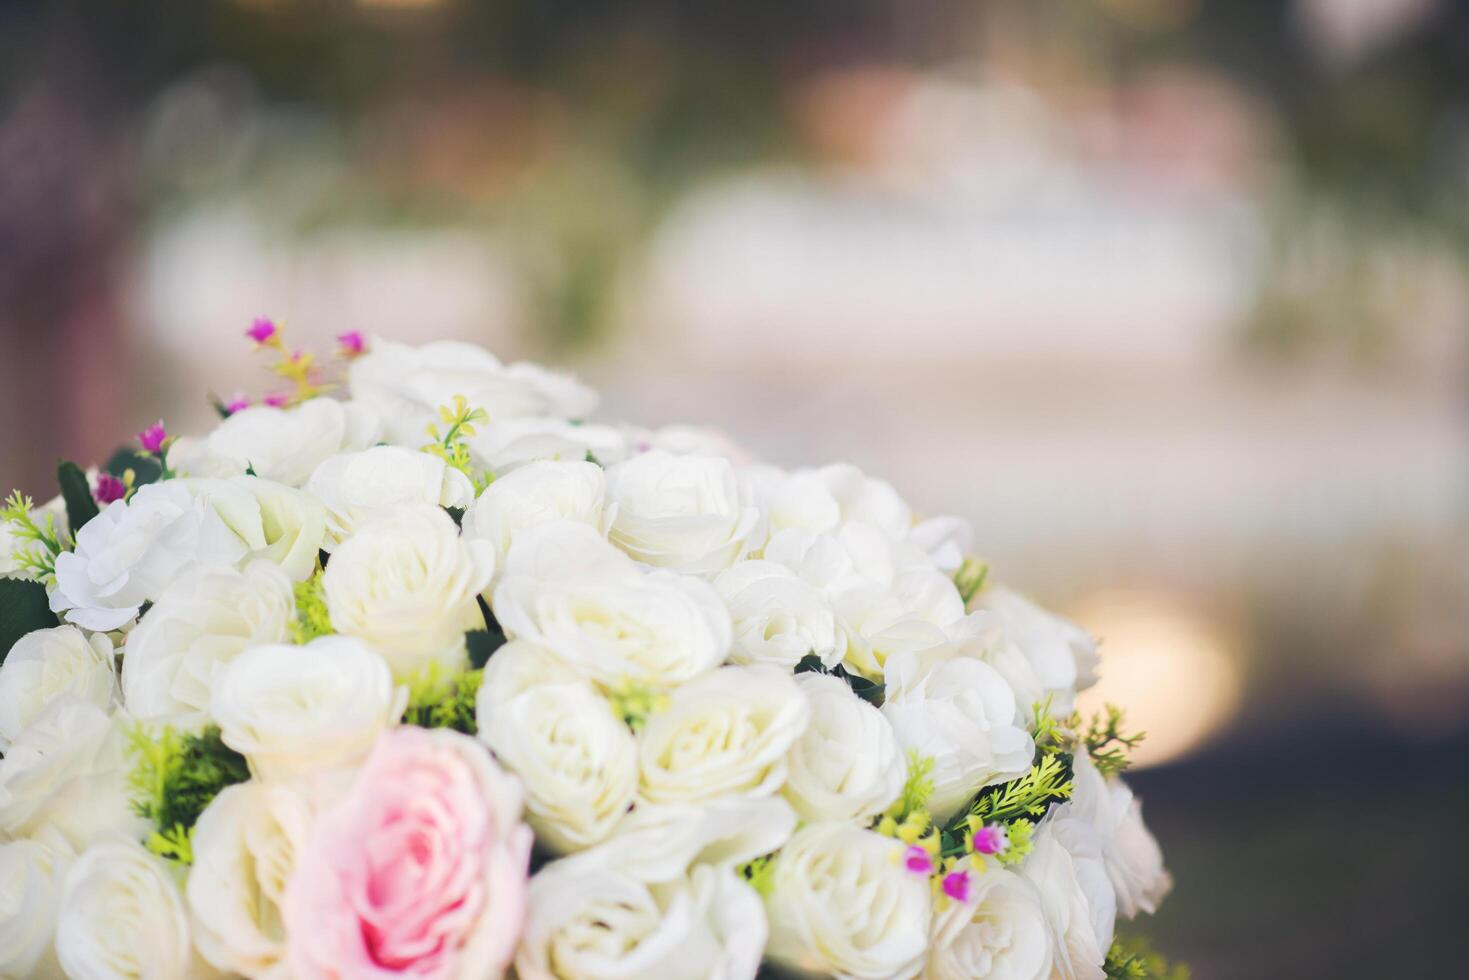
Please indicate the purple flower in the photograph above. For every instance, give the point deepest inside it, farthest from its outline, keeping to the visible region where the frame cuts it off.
(153, 437)
(262, 330)
(917, 860)
(277, 400)
(352, 343)
(956, 885)
(237, 404)
(109, 488)
(991, 839)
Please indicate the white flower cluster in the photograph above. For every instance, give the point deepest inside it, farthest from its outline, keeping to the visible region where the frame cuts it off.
(677, 697)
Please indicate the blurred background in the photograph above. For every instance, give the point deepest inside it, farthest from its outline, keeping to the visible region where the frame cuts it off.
(1170, 297)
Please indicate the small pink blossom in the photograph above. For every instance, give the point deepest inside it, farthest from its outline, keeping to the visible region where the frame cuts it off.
(262, 330)
(956, 885)
(352, 343)
(237, 404)
(153, 437)
(109, 488)
(419, 871)
(918, 860)
(991, 839)
(277, 399)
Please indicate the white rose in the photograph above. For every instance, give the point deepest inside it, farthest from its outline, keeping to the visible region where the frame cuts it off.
(406, 385)
(820, 499)
(293, 710)
(1062, 655)
(358, 487)
(576, 757)
(195, 628)
(245, 847)
(505, 444)
(280, 444)
(272, 521)
(847, 764)
(133, 550)
(122, 916)
(842, 903)
(48, 664)
(31, 875)
(534, 494)
(946, 540)
(68, 772)
(909, 615)
(1131, 854)
(686, 513)
(960, 713)
(887, 594)
(866, 499)
(726, 733)
(999, 932)
(1066, 865)
(845, 559)
(778, 618)
(595, 924)
(408, 586)
(661, 842)
(567, 589)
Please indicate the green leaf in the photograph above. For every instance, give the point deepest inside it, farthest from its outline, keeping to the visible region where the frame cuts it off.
(457, 513)
(145, 468)
(870, 691)
(483, 644)
(24, 608)
(77, 492)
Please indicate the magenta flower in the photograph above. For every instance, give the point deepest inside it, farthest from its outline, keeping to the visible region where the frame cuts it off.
(109, 488)
(991, 839)
(262, 330)
(277, 400)
(352, 343)
(956, 885)
(917, 860)
(153, 437)
(237, 404)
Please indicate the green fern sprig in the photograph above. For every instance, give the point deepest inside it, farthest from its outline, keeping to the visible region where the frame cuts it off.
(39, 542)
(459, 421)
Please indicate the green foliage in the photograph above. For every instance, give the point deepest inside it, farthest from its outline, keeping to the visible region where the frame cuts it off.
(917, 788)
(591, 457)
(1051, 736)
(868, 690)
(1107, 743)
(1029, 797)
(1134, 959)
(636, 703)
(482, 645)
(760, 873)
(970, 578)
(145, 468)
(458, 421)
(24, 608)
(39, 542)
(438, 702)
(174, 777)
(1021, 834)
(77, 493)
(312, 619)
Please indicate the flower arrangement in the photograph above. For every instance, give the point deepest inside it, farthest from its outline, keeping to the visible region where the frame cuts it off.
(423, 674)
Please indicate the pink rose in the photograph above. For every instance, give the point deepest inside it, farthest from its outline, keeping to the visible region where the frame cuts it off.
(419, 871)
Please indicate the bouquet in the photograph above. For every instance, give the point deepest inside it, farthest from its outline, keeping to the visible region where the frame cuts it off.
(422, 673)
